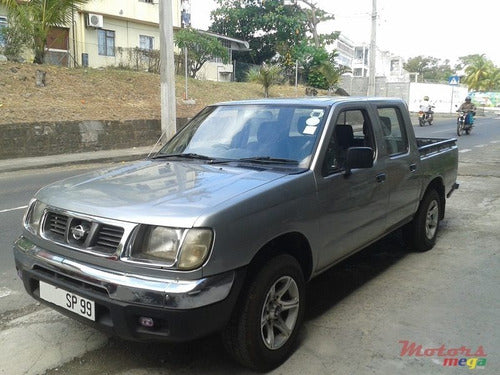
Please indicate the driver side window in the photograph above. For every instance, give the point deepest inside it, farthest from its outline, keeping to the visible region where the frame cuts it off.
(352, 129)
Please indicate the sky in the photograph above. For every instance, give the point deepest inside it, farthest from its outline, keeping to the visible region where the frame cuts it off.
(444, 29)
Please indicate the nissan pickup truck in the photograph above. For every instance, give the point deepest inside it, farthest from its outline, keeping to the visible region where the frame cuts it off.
(220, 228)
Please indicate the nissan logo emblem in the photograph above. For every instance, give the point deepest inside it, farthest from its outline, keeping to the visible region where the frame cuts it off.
(78, 232)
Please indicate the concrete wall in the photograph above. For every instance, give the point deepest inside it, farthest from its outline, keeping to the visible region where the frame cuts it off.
(52, 138)
(445, 97)
(358, 86)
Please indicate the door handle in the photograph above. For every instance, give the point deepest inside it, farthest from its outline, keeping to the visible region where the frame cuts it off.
(381, 177)
(413, 167)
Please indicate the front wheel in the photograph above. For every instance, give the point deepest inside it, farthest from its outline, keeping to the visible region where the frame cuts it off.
(421, 232)
(421, 121)
(460, 128)
(263, 330)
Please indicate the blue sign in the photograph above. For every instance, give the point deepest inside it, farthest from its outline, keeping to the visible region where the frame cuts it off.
(454, 80)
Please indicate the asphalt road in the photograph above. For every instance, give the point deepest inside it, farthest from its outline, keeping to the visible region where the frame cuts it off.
(359, 313)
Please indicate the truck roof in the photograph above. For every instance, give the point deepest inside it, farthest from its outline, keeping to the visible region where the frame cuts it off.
(312, 100)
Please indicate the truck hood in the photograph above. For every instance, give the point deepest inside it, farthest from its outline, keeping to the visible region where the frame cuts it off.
(155, 192)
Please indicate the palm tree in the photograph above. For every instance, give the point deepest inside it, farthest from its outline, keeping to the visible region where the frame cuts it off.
(477, 72)
(332, 73)
(36, 17)
(266, 76)
(492, 81)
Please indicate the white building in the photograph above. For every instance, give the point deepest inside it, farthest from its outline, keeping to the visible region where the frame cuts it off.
(386, 65)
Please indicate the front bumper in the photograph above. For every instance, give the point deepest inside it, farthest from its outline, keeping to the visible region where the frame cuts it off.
(181, 310)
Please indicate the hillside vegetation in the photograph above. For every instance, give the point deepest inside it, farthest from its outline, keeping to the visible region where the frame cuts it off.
(108, 94)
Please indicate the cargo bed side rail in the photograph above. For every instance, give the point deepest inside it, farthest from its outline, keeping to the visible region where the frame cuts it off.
(435, 145)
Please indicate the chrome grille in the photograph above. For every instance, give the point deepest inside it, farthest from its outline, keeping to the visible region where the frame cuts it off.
(97, 237)
(57, 224)
(109, 237)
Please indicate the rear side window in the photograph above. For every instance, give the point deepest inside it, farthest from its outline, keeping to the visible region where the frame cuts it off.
(393, 130)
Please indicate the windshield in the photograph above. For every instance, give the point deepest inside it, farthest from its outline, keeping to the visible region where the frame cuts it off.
(280, 133)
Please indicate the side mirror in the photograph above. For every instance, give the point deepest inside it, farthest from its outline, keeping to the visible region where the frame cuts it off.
(358, 157)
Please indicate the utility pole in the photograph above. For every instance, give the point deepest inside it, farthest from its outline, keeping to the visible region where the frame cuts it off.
(167, 71)
(373, 51)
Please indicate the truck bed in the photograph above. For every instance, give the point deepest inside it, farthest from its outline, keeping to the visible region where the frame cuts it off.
(429, 146)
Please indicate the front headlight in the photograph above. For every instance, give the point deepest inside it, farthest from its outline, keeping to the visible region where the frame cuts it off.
(34, 215)
(184, 249)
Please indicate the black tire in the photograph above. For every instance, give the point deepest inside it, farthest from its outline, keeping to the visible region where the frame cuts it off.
(459, 128)
(467, 131)
(272, 303)
(422, 231)
(421, 121)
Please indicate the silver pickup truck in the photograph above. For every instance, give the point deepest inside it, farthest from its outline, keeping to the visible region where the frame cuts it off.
(220, 229)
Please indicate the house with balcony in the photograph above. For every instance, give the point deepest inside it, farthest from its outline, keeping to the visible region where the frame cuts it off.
(123, 33)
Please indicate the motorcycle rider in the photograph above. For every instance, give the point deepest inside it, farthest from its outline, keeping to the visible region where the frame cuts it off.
(426, 108)
(470, 109)
(425, 105)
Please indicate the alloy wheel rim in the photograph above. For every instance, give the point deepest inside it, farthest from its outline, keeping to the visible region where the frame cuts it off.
(431, 221)
(279, 313)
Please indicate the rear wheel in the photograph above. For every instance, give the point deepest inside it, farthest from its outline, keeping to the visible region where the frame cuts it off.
(422, 231)
(263, 330)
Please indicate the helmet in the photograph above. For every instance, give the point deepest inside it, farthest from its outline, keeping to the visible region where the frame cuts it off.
(467, 99)
(426, 97)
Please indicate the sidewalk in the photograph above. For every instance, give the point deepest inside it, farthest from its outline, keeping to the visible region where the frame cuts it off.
(135, 153)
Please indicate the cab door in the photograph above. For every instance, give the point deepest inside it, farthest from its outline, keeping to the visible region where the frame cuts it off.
(352, 208)
(403, 178)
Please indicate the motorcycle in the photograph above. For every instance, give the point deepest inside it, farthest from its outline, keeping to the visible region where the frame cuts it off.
(462, 125)
(425, 117)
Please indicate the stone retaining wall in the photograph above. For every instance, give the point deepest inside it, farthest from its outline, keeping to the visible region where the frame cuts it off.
(52, 138)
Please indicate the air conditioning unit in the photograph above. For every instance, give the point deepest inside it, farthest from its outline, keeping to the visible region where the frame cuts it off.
(95, 20)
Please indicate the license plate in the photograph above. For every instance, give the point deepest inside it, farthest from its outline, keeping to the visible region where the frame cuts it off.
(70, 301)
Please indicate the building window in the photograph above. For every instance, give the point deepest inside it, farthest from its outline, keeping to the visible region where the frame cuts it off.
(3, 23)
(146, 42)
(357, 72)
(106, 42)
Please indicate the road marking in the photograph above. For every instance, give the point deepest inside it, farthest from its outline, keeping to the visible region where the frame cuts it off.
(13, 209)
(465, 150)
(480, 146)
(443, 131)
(494, 141)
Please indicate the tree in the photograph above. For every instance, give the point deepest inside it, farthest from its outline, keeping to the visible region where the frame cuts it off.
(36, 18)
(266, 76)
(332, 73)
(15, 39)
(430, 69)
(314, 17)
(478, 70)
(201, 47)
(278, 33)
(492, 82)
(263, 24)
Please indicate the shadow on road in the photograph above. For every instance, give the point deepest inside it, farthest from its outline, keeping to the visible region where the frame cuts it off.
(208, 355)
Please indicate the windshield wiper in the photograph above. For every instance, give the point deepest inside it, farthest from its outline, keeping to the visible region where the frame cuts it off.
(268, 160)
(182, 156)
